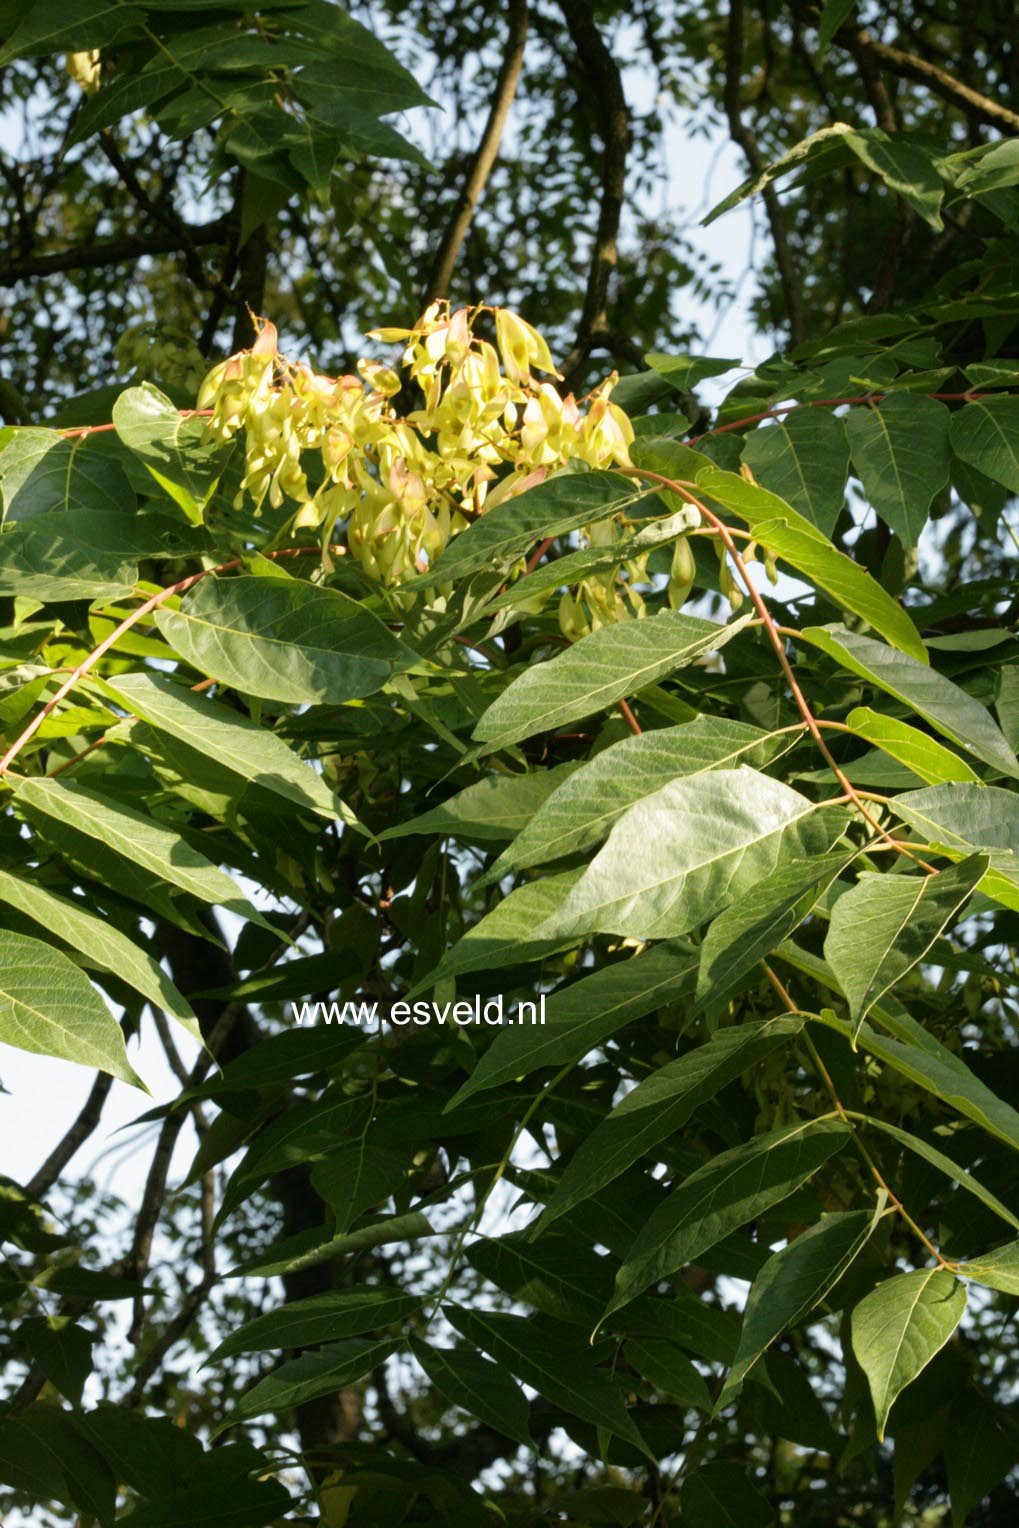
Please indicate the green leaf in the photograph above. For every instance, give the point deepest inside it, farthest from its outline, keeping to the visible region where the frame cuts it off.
(553, 1274)
(906, 168)
(881, 927)
(574, 566)
(358, 1176)
(707, 1331)
(719, 1493)
(600, 669)
(481, 1388)
(87, 553)
(957, 819)
(948, 708)
(40, 564)
(78, 24)
(674, 459)
(804, 459)
(926, 757)
(41, 471)
(833, 14)
(220, 733)
(559, 1366)
(101, 942)
(669, 1369)
(998, 1269)
(985, 434)
(176, 450)
(509, 934)
(237, 1502)
(733, 1188)
(302, 977)
(303, 1133)
(791, 1283)
(902, 457)
(939, 1072)
(139, 839)
(897, 1329)
(742, 936)
(778, 527)
(282, 1058)
(49, 1006)
(661, 1104)
(564, 503)
(827, 148)
(318, 1319)
(310, 1376)
(683, 372)
(578, 1018)
(49, 1454)
(1007, 704)
(991, 167)
(84, 1284)
(981, 1446)
(916, 1448)
(296, 1253)
(283, 640)
(63, 1352)
(584, 806)
(491, 809)
(960, 1175)
(678, 857)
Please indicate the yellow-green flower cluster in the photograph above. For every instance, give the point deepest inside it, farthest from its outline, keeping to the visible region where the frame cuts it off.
(490, 424)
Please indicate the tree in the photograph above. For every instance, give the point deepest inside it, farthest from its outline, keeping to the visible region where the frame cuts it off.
(636, 776)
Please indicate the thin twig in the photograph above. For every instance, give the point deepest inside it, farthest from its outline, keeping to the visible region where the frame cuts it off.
(167, 1338)
(846, 1115)
(629, 718)
(746, 140)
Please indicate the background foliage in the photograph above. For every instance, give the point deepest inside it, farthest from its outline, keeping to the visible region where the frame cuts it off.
(732, 1238)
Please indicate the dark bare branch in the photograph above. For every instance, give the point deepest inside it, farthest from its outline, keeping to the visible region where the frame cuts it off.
(110, 252)
(746, 140)
(77, 1135)
(609, 100)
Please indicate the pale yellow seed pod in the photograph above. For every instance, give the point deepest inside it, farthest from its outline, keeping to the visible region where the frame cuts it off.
(514, 343)
(572, 620)
(682, 573)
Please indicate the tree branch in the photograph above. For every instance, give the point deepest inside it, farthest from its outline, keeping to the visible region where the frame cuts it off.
(110, 252)
(77, 1135)
(167, 1338)
(979, 108)
(884, 115)
(485, 156)
(746, 140)
(598, 64)
(167, 216)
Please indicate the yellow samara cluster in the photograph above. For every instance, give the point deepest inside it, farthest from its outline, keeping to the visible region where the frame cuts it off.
(486, 429)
